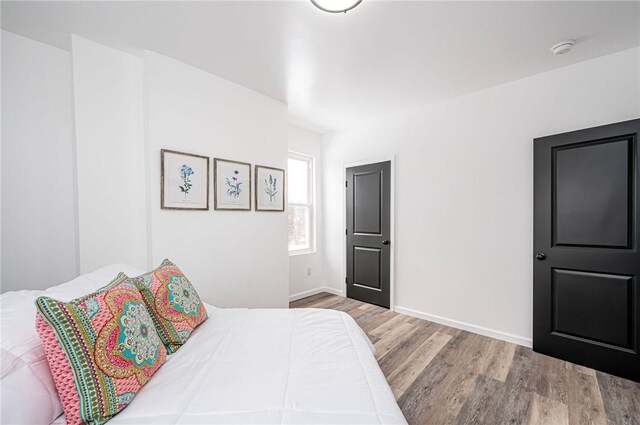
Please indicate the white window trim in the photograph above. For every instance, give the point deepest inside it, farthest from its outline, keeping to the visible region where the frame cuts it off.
(312, 202)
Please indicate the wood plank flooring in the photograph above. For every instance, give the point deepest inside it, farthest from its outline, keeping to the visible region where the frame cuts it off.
(441, 375)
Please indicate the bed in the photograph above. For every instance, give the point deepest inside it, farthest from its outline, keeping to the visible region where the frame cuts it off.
(266, 366)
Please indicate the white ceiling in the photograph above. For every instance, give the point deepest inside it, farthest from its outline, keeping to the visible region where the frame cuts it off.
(333, 69)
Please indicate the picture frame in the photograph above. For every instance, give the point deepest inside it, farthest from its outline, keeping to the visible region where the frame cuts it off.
(232, 185)
(270, 188)
(184, 181)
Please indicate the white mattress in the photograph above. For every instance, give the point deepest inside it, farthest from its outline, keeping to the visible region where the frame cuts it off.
(245, 366)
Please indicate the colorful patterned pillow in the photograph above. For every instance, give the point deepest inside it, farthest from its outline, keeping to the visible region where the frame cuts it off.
(173, 302)
(101, 348)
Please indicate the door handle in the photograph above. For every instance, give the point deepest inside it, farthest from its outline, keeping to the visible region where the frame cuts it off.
(386, 242)
(541, 256)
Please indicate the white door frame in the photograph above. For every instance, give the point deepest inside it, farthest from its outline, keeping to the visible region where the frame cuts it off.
(392, 208)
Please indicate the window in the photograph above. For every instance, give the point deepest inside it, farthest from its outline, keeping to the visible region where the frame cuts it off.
(300, 203)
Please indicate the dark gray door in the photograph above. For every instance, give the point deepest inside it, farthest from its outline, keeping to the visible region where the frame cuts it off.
(368, 232)
(586, 234)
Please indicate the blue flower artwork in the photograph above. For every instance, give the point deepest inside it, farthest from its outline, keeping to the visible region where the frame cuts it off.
(184, 180)
(271, 188)
(232, 181)
(185, 174)
(233, 186)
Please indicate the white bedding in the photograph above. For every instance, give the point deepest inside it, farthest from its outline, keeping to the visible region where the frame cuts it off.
(261, 366)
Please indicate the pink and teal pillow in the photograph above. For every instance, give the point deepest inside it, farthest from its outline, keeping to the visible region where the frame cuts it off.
(101, 348)
(173, 302)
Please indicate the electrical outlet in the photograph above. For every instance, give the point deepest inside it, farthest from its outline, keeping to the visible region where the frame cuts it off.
(309, 271)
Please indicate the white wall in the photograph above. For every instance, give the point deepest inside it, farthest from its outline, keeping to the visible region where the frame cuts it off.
(107, 86)
(107, 114)
(301, 283)
(463, 189)
(38, 212)
(237, 258)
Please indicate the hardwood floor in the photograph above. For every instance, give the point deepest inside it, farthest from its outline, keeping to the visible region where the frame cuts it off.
(441, 375)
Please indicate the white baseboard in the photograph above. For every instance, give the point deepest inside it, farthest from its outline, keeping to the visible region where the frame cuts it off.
(504, 336)
(305, 294)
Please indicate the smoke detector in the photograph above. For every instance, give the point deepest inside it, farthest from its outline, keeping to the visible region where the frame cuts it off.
(562, 47)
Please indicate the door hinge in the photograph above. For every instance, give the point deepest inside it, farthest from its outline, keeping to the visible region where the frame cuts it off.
(346, 231)
(346, 280)
(346, 183)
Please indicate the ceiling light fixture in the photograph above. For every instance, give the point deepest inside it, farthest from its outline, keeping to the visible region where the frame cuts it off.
(562, 47)
(336, 6)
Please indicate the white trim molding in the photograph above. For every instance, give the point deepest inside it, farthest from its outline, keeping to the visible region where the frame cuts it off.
(311, 200)
(310, 292)
(480, 330)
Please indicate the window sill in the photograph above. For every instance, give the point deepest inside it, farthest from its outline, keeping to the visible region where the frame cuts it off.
(301, 252)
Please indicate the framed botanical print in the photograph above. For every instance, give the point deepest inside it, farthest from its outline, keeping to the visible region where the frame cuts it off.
(232, 185)
(269, 188)
(184, 181)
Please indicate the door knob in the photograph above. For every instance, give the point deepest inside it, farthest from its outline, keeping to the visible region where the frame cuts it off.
(541, 256)
(385, 242)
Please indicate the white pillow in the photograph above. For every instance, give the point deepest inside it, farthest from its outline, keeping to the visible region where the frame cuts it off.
(27, 391)
(26, 387)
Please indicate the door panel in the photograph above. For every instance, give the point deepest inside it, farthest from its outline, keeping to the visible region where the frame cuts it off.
(592, 194)
(586, 268)
(581, 299)
(366, 266)
(367, 234)
(367, 202)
